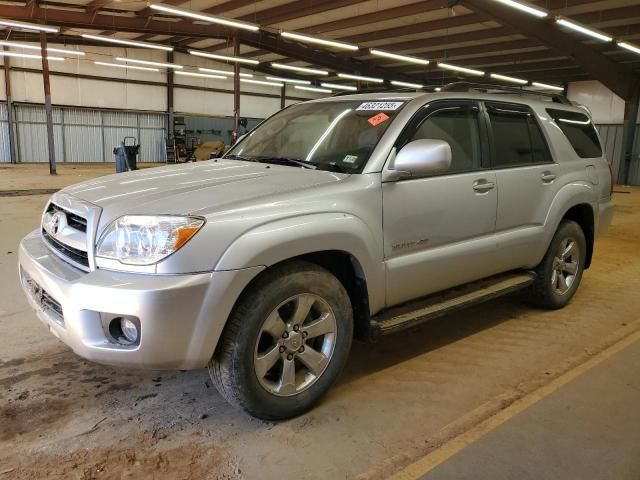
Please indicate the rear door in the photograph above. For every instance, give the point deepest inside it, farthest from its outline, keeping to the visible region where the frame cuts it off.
(438, 230)
(527, 182)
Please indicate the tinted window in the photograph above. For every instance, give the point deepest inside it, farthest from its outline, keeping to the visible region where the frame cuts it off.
(539, 148)
(517, 139)
(458, 126)
(580, 132)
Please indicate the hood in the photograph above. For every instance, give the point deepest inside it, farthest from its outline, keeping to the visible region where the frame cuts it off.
(197, 188)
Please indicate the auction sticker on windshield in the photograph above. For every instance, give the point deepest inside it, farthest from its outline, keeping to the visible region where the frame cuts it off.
(379, 106)
(377, 119)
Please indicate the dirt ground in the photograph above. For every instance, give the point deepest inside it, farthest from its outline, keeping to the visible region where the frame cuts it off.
(399, 398)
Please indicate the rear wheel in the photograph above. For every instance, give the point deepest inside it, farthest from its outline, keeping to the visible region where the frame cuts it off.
(285, 342)
(560, 272)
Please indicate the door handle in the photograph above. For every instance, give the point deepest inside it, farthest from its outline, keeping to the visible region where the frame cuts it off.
(548, 177)
(482, 186)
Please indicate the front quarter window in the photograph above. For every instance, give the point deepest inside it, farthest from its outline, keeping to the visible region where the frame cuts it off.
(335, 136)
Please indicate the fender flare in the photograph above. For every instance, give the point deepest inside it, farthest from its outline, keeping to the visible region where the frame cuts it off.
(569, 196)
(286, 238)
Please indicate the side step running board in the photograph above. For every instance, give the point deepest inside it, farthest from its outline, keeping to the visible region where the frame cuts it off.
(427, 308)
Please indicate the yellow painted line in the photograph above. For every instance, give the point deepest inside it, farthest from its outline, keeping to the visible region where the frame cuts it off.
(449, 449)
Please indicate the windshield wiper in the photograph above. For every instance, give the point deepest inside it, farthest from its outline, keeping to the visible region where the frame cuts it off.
(240, 157)
(286, 161)
(332, 167)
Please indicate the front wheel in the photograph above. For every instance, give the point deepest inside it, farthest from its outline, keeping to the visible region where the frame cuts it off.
(285, 342)
(560, 272)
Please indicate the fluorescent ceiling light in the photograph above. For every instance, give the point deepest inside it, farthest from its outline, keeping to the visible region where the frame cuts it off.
(224, 58)
(29, 56)
(406, 84)
(151, 64)
(260, 82)
(205, 17)
(27, 46)
(289, 80)
(456, 68)
(319, 41)
(132, 67)
(202, 75)
(359, 77)
(547, 86)
(524, 8)
(213, 70)
(293, 68)
(133, 43)
(402, 58)
(628, 46)
(583, 30)
(313, 89)
(337, 86)
(509, 79)
(29, 26)
(224, 72)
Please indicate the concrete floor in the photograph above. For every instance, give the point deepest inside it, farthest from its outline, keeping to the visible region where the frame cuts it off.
(399, 400)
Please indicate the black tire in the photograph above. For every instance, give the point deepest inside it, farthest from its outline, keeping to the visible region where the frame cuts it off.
(232, 368)
(542, 292)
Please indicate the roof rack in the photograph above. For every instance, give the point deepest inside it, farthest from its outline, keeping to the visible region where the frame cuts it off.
(488, 88)
(381, 89)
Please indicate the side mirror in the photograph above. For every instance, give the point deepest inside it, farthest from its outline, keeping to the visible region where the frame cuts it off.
(421, 158)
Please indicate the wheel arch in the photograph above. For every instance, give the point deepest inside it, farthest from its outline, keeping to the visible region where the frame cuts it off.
(583, 214)
(349, 272)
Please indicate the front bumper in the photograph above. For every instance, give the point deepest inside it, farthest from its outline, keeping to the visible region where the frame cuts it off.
(181, 316)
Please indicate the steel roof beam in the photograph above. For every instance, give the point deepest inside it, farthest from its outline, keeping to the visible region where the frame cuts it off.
(621, 79)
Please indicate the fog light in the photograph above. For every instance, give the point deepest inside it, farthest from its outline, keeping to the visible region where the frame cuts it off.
(129, 330)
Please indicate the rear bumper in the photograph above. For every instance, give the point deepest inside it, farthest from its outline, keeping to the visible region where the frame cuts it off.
(180, 317)
(605, 216)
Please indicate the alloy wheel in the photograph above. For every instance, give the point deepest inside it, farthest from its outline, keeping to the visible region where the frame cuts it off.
(295, 344)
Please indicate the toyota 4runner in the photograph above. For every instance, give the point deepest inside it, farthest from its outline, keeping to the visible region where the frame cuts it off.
(340, 218)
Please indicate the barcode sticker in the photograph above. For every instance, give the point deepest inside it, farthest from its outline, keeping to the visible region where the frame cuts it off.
(379, 106)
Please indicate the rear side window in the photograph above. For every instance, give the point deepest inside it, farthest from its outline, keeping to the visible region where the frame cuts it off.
(517, 139)
(580, 132)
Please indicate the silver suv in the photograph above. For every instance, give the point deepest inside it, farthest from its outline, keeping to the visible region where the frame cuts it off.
(341, 218)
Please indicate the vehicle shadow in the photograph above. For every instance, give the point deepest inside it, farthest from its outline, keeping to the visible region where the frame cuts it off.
(369, 357)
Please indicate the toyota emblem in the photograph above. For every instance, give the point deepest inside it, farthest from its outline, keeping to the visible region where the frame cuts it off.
(55, 223)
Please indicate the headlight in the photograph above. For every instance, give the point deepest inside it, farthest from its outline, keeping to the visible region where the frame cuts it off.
(145, 240)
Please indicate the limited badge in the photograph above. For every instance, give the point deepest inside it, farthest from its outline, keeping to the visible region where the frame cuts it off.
(378, 119)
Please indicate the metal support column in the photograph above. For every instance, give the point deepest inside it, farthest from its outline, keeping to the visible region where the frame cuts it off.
(236, 86)
(170, 111)
(47, 103)
(628, 138)
(283, 95)
(7, 83)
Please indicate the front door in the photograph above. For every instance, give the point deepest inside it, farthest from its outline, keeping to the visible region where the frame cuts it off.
(439, 230)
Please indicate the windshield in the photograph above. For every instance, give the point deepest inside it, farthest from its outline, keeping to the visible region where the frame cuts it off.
(334, 136)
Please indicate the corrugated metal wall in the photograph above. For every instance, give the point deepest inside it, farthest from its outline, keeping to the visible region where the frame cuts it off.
(5, 153)
(611, 136)
(83, 134)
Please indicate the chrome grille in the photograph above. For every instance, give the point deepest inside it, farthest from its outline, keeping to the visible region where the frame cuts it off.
(65, 233)
(73, 220)
(77, 255)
